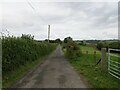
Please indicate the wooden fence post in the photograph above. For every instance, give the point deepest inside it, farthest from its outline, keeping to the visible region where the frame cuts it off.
(103, 59)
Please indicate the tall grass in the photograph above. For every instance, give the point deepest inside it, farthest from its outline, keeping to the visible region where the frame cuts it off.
(85, 65)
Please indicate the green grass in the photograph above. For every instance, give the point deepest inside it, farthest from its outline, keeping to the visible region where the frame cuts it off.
(19, 73)
(85, 65)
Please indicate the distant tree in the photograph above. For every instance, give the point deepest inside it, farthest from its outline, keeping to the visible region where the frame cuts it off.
(100, 45)
(83, 43)
(68, 39)
(58, 41)
(65, 40)
(46, 40)
(28, 36)
(52, 41)
(115, 45)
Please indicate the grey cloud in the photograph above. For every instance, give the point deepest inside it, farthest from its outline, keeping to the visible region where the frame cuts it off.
(78, 19)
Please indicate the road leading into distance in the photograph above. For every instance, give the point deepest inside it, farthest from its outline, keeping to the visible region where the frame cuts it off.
(55, 72)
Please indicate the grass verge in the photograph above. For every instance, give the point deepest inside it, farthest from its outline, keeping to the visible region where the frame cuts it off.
(19, 73)
(85, 65)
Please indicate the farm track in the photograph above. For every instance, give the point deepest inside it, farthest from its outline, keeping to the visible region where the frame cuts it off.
(55, 72)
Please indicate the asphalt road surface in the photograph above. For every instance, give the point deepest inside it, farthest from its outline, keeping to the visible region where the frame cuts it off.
(55, 72)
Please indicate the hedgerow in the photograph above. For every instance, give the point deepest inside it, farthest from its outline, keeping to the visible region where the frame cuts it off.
(72, 48)
(18, 51)
(113, 45)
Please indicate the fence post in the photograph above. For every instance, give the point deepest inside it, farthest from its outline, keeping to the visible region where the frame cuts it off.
(103, 59)
(95, 56)
(108, 60)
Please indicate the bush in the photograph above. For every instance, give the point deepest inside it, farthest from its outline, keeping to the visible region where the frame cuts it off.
(100, 45)
(18, 51)
(72, 50)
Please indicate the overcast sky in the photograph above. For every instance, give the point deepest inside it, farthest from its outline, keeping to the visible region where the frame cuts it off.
(80, 20)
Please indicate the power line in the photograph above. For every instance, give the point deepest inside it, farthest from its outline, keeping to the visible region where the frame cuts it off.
(34, 9)
(30, 5)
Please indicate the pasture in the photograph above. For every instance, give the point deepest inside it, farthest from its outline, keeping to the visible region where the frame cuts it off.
(85, 65)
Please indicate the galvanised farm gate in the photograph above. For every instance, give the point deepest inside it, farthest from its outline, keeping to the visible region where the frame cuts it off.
(114, 62)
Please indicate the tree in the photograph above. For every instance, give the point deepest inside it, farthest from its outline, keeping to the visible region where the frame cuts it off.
(100, 45)
(58, 41)
(68, 39)
(28, 37)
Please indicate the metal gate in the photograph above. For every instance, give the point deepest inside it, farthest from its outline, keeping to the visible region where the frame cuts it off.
(114, 62)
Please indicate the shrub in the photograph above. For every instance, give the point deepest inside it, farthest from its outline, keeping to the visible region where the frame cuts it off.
(102, 45)
(72, 50)
(18, 51)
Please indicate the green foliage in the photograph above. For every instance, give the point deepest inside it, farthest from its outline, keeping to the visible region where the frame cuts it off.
(72, 48)
(85, 65)
(58, 41)
(113, 45)
(66, 40)
(100, 45)
(18, 51)
(28, 37)
(82, 43)
(54, 41)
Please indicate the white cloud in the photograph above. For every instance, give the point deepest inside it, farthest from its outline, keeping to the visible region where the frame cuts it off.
(80, 20)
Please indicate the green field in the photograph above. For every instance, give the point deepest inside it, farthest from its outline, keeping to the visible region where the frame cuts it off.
(85, 65)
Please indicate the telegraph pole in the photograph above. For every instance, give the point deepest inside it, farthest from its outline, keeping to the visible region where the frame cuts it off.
(48, 33)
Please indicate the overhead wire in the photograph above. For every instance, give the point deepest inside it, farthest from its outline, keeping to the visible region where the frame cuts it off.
(34, 9)
(30, 5)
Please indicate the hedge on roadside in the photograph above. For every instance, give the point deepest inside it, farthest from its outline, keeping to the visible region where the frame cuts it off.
(18, 51)
(72, 48)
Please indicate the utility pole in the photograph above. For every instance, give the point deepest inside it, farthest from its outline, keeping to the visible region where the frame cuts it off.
(48, 33)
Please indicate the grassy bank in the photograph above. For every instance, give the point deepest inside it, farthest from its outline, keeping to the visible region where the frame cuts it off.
(13, 77)
(85, 65)
(20, 55)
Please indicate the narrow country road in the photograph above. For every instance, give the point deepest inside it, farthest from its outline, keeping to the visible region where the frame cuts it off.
(55, 72)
